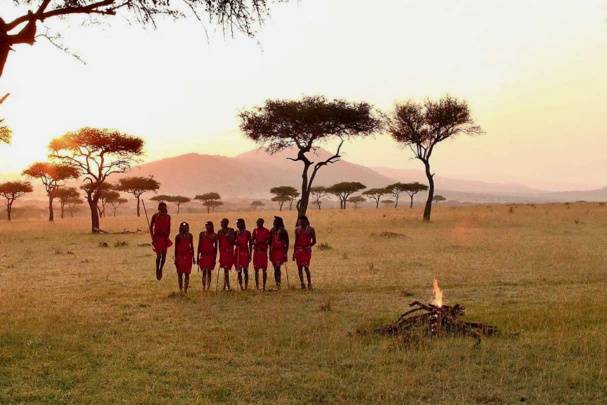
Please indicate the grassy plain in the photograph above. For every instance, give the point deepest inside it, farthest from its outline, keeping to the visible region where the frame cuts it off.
(80, 322)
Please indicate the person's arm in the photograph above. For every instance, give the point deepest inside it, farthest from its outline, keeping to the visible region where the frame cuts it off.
(199, 250)
(270, 242)
(313, 234)
(192, 248)
(285, 235)
(175, 250)
(232, 236)
(152, 223)
(250, 246)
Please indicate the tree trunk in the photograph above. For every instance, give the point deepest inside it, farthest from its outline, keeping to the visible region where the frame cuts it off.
(138, 206)
(93, 205)
(9, 208)
(377, 203)
(178, 205)
(428, 207)
(397, 196)
(51, 213)
(411, 204)
(302, 206)
(208, 209)
(62, 204)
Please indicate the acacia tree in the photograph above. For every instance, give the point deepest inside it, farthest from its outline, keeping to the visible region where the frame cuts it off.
(376, 194)
(439, 198)
(107, 196)
(344, 190)
(423, 126)
(282, 124)
(71, 204)
(12, 190)
(65, 195)
(176, 199)
(387, 202)
(137, 186)
(231, 15)
(209, 200)
(356, 200)
(281, 200)
(257, 204)
(318, 193)
(116, 201)
(97, 154)
(52, 177)
(284, 194)
(396, 190)
(412, 189)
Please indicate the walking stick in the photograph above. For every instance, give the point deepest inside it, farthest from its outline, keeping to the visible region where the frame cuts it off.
(145, 211)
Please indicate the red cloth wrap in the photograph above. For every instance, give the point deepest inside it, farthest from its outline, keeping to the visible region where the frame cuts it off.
(261, 238)
(241, 258)
(208, 252)
(160, 234)
(184, 254)
(303, 248)
(226, 252)
(279, 250)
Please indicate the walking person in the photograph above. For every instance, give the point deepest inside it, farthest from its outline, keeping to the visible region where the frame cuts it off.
(243, 253)
(279, 246)
(160, 229)
(260, 241)
(305, 239)
(184, 256)
(207, 254)
(226, 241)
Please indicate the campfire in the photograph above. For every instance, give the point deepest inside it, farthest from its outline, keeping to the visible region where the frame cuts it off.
(435, 320)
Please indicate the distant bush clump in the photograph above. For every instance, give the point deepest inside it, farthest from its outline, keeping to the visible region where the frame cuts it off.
(324, 246)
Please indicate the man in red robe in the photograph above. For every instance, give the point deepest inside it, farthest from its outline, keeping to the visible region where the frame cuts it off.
(207, 253)
(260, 241)
(184, 256)
(305, 239)
(243, 253)
(160, 229)
(226, 240)
(279, 246)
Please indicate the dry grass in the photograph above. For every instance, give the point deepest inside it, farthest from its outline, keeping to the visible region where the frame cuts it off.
(82, 318)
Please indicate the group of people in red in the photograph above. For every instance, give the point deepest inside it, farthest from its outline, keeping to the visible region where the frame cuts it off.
(236, 248)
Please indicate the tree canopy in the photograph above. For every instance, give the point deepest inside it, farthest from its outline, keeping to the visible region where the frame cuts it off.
(137, 186)
(210, 200)
(51, 175)
(175, 199)
(66, 195)
(318, 193)
(285, 194)
(438, 198)
(356, 200)
(231, 15)
(412, 189)
(303, 124)
(344, 190)
(422, 126)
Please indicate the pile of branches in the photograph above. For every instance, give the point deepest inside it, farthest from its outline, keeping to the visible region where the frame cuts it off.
(434, 321)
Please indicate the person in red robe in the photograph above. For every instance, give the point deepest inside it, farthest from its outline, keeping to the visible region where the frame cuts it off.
(305, 239)
(242, 256)
(226, 240)
(184, 256)
(279, 246)
(207, 253)
(160, 229)
(260, 241)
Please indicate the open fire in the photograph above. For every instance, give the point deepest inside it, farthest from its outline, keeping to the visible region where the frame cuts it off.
(435, 320)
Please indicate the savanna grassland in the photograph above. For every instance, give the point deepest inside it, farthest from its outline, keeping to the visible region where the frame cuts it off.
(82, 322)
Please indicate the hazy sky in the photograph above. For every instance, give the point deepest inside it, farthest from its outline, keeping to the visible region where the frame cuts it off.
(534, 73)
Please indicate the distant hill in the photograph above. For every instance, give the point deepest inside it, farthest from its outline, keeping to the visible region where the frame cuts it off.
(250, 174)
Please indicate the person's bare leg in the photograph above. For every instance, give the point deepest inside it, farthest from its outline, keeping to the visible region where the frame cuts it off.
(180, 281)
(309, 277)
(226, 279)
(187, 283)
(239, 273)
(277, 275)
(257, 279)
(301, 279)
(163, 259)
(246, 278)
(265, 278)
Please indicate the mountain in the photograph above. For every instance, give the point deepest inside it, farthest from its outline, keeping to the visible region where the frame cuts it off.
(250, 174)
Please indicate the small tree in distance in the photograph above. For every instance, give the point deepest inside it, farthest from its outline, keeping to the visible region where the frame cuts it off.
(108, 197)
(257, 204)
(52, 177)
(302, 124)
(13, 190)
(209, 200)
(356, 200)
(412, 189)
(439, 198)
(318, 193)
(137, 186)
(396, 190)
(285, 194)
(65, 195)
(117, 202)
(387, 202)
(344, 190)
(97, 154)
(376, 194)
(175, 199)
(423, 126)
(281, 200)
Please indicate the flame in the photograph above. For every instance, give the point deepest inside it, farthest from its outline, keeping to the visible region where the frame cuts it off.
(438, 294)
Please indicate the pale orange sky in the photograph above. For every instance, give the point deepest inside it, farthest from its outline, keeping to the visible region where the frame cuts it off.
(533, 72)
